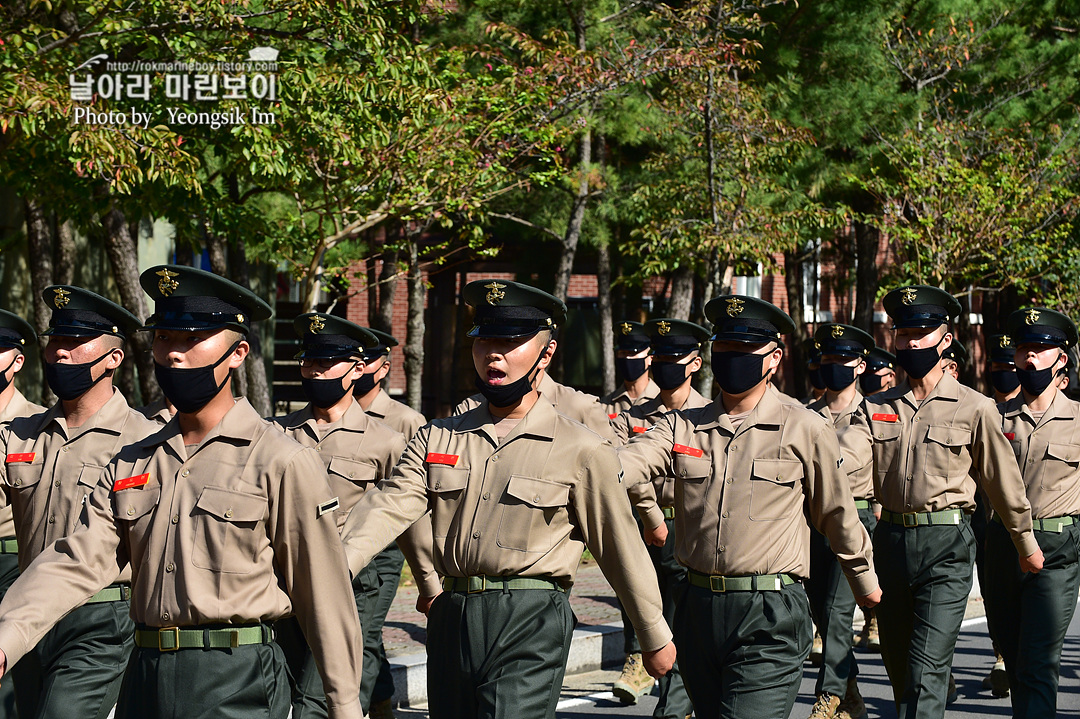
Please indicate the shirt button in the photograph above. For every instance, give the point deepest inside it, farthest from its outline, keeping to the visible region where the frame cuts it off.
(318, 449)
(352, 475)
(166, 616)
(170, 567)
(65, 449)
(56, 483)
(185, 473)
(722, 548)
(729, 480)
(52, 519)
(131, 511)
(724, 515)
(536, 498)
(734, 447)
(228, 514)
(909, 477)
(487, 495)
(438, 485)
(476, 535)
(175, 518)
(494, 458)
(18, 482)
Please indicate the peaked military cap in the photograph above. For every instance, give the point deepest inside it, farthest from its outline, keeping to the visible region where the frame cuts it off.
(878, 359)
(843, 340)
(631, 336)
(675, 337)
(328, 336)
(813, 352)
(999, 348)
(15, 331)
(1042, 326)
(920, 306)
(738, 318)
(383, 343)
(81, 313)
(956, 352)
(510, 309)
(186, 298)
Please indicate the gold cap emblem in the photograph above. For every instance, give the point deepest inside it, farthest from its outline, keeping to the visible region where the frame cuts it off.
(317, 325)
(626, 328)
(61, 298)
(167, 285)
(837, 332)
(908, 295)
(734, 306)
(1031, 317)
(1005, 341)
(663, 327)
(240, 319)
(817, 345)
(496, 295)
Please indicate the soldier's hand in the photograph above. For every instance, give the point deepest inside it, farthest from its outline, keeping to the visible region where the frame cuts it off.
(870, 600)
(3, 663)
(423, 604)
(1033, 562)
(656, 537)
(660, 661)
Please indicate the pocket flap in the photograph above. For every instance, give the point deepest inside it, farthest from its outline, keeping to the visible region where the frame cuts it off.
(352, 469)
(779, 471)
(23, 475)
(687, 467)
(538, 492)
(447, 479)
(948, 436)
(131, 504)
(233, 506)
(90, 475)
(883, 430)
(1066, 452)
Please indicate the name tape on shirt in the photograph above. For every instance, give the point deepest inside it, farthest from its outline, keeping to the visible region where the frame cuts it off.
(450, 459)
(639, 430)
(1010, 436)
(131, 482)
(886, 418)
(689, 451)
(24, 457)
(329, 506)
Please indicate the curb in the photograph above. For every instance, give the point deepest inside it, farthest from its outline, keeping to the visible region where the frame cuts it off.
(591, 648)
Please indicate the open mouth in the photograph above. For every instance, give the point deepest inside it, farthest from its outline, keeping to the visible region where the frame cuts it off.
(495, 377)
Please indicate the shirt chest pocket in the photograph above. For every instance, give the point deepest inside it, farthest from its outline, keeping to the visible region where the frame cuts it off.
(352, 470)
(775, 489)
(22, 476)
(136, 506)
(886, 437)
(691, 484)
(534, 515)
(446, 487)
(1061, 464)
(228, 530)
(944, 447)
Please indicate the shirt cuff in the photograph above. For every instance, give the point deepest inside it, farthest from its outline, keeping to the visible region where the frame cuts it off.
(1026, 544)
(652, 516)
(429, 585)
(863, 584)
(654, 637)
(13, 644)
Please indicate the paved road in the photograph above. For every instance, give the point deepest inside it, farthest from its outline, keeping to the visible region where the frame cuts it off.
(587, 695)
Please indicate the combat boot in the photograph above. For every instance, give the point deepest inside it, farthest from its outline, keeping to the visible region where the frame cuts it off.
(633, 682)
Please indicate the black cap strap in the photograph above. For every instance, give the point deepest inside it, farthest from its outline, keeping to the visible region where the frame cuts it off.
(84, 319)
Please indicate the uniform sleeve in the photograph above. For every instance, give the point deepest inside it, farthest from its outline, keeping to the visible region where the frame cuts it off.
(648, 454)
(610, 533)
(856, 446)
(65, 575)
(596, 419)
(311, 563)
(621, 427)
(417, 544)
(995, 469)
(386, 511)
(833, 512)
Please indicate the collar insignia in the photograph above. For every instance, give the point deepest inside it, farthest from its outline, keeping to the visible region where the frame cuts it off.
(496, 295)
(734, 307)
(167, 284)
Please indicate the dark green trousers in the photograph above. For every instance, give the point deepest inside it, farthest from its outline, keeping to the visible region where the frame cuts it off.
(388, 564)
(498, 654)
(1031, 613)
(76, 669)
(742, 652)
(9, 572)
(242, 683)
(308, 698)
(832, 606)
(674, 702)
(925, 575)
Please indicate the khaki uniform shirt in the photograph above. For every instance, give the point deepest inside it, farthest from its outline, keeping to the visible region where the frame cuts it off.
(856, 448)
(401, 418)
(157, 411)
(649, 498)
(18, 406)
(48, 478)
(578, 406)
(619, 401)
(237, 530)
(526, 506)
(358, 452)
(931, 455)
(742, 496)
(1048, 453)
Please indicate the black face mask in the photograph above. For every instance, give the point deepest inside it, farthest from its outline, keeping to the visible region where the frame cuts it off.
(323, 393)
(737, 372)
(191, 388)
(1004, 380)
(629, 369)
(4, 381)
(365, 384)
(816, 380)
(870, 382)
(837, 376)
(668, 375)
(507, 395)
(918, 363)
(1035, 381)
(71, 381)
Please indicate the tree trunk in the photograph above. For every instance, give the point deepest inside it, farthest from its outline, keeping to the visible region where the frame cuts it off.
(793, 282)
(215, 248)
(384, 317)
(866, 270)
(607, 320)
(714, 280)
(64, 254)
(39, 244)
(124, 259)
(682, 293)
(254, 377)
(414, 337)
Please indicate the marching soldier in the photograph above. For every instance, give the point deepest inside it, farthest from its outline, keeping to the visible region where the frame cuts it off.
(676, 357)
(516, 491)
(357, 452)
(227, 526)
(1002, 353)
(813, 374)
(54, 460)
(880, 373)
(632, 360)
(749, 470)
(1030, 614)
(935, 442)
(843, 351)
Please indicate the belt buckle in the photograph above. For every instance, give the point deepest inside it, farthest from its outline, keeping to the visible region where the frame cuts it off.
(479, 586)
(914, 519)
(164, 632)
(717, 586)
